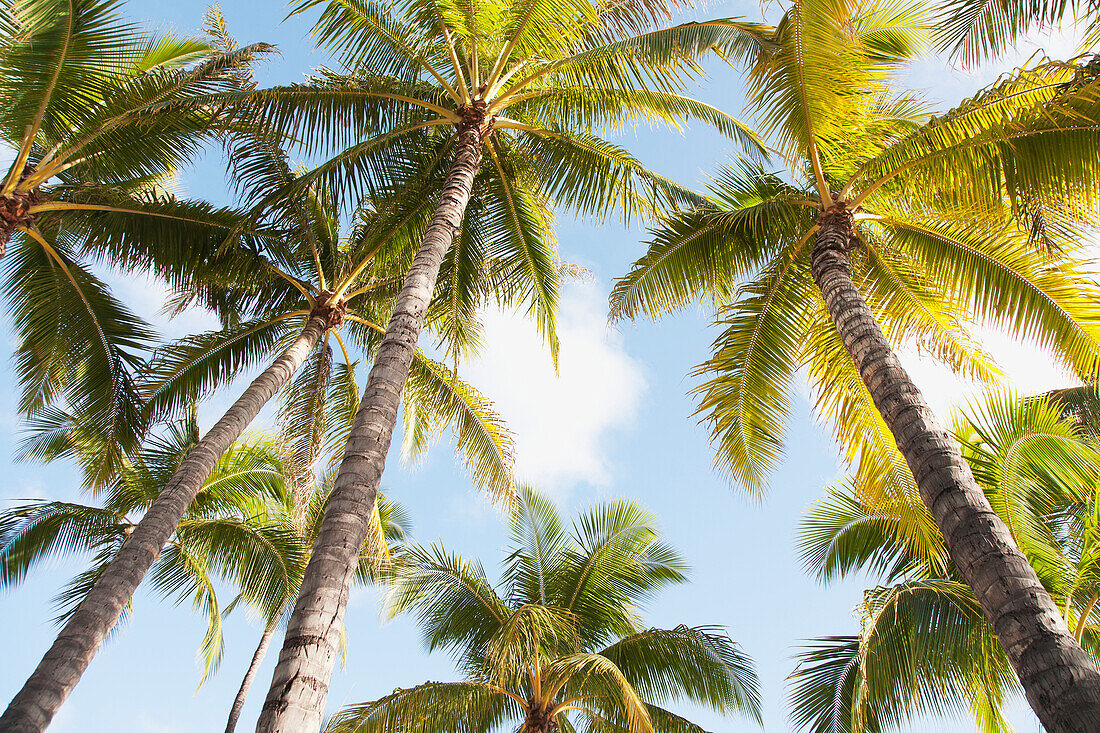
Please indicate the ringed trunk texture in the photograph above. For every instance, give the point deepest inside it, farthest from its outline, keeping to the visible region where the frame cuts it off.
(250, 676)
(1060, 681)
(299, 688)
(60, 669)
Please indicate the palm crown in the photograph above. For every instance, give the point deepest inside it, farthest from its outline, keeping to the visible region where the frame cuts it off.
(939, 241)
(899, 231)
(924, 646)
(562, 641)
(265, 294)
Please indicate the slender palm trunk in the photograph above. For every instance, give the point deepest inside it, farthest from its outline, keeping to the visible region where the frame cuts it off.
(299, 688)
(250, 675)
(1061, 683)
(60, 669)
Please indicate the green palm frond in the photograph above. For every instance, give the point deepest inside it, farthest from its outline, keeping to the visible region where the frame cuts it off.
(77, 343)
(750, 375)
(550, 646)
(35, 532)
(707, 252)
(196, 365)
(616, 560)
(455, 604)
(540, 541)
(697, 663)
(924, 649)
(447, 707)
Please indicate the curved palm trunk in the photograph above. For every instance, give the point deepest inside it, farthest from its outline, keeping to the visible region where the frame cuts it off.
(249, 676)
(299, 688)
(60, 669)
(1061, 683)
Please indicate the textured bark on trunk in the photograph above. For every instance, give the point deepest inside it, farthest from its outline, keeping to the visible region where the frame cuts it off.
(1060, 681)
(249, 676)
(60, 669)
(299, 688)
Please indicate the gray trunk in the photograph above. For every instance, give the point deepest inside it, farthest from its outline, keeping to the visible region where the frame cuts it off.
(299, 688)
(250, 675)
(1061, 683)
(60, 669)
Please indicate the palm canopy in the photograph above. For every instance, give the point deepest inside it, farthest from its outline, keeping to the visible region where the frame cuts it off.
(547, 79)
(924, 647)
(235, 532)
(264, 295)
(973, 216)
(562, 641)
(97, 113)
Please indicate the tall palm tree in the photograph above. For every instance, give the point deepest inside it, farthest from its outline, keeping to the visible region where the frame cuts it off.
(924, 647)
(98, 113)
(250, 526)
(909, 229)
(272, 296)
(517, 87)
(563, 640)
(229, 534)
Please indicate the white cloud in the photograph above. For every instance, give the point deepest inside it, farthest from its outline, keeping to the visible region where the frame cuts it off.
(1028, 368)
(561, 422)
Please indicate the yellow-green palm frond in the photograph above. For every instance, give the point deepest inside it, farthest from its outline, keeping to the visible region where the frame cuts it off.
(993, 270)
(705, 253)
(602, 686)
(1031, 133)
(924, 649)
(748, 379)
(793, 83)
(891, 536)
(436, 399)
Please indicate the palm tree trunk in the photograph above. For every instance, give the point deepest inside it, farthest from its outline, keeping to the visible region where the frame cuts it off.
(60, 669)
(299, 688)
(1061, 683)
(250, 675)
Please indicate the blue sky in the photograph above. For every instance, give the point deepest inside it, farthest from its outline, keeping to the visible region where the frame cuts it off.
(615, 422)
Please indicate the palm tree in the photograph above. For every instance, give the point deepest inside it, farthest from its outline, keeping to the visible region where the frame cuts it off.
(924, 646)
(516, 87)
(909, 229)
(232, 533)
(273, 296)
(562, 640)
(98, 113)
(250, 525)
